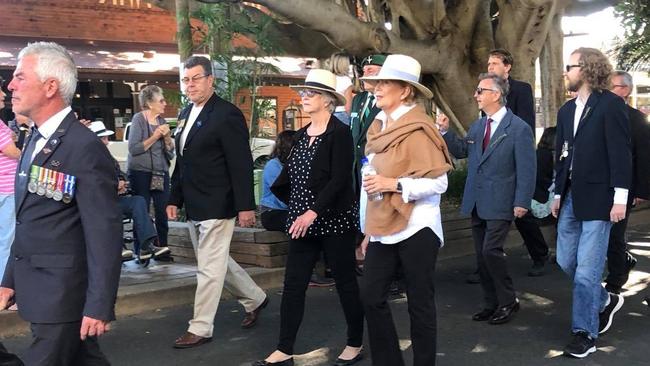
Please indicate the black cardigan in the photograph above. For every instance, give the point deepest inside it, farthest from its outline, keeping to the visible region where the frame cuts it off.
(330, 178)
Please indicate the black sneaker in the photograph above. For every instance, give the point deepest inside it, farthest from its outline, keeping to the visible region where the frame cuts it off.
(159, 251)
(607, 315)
(581, 345)
(537, 269)
(145, 254)
(319, 281)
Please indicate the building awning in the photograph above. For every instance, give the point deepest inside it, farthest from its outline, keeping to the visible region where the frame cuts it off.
(122, 61)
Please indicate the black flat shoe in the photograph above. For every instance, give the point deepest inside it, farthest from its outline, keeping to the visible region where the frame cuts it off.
(505, 314)
(483, 315)
(287, 362)
(342, 362)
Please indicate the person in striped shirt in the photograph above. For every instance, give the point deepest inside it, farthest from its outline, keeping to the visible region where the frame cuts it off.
(9, 155)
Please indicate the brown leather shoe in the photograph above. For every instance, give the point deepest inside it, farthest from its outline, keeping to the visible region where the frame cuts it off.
(251, 318)
(189, 340)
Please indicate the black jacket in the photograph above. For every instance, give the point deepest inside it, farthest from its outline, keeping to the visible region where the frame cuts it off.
(213, 175)
(65, 260)
(640, 132)
(544, 174)
(330, 171)
(600, 151)
(359, 125)
(521, 102)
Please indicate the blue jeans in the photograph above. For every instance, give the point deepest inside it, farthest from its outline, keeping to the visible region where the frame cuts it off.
(581, 252)
(140, 182)
(7, 228)
(135, 207)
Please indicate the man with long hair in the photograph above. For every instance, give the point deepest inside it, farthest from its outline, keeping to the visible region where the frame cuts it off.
(593, 172)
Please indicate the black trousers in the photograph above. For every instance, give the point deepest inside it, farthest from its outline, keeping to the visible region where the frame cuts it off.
(528, 228)
(489, 237)
(59, 345)
(617, 253)
(275, 220)
(303, 254)
(417, 256)
(8, 359)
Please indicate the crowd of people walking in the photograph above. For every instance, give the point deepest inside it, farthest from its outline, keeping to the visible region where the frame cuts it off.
(364, 177)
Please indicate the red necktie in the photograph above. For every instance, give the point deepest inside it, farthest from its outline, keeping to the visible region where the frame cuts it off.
(488, 132)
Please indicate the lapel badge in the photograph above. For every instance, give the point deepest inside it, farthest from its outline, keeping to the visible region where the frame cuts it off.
(198, 123)
(470, 141)
(565, 150)
(55, 163)
(53, 142)
(46, 150)
(60, 130)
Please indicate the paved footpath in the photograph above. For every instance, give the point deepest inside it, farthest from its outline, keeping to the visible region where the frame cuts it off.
(534, 338)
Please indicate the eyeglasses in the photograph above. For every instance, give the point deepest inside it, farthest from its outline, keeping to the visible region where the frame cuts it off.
(480, 90)
(569, 67)
(193, 79)
(308, 93)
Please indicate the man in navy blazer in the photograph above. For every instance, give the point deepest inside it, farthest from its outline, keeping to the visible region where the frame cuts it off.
(213, 180)
(593, 174)
(499, 187)
(522, 103)
(65, 261)
(619, 261)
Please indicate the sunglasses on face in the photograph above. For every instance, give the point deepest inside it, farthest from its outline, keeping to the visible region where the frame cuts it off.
(480, 90)
(569, 67)
(308, 93)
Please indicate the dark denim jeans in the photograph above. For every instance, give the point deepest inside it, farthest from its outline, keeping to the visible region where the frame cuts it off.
(140, 182)
(135, 207)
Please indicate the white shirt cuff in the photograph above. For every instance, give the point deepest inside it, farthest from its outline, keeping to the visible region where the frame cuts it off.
(620, 196)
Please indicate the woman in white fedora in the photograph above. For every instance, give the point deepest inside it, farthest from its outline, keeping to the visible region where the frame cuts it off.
(315, 184)
(403, 228)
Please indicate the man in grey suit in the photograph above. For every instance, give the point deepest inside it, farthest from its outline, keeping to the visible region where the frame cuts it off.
(499, 187)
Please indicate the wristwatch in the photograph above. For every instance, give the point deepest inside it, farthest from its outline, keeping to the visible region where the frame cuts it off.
(399, 187)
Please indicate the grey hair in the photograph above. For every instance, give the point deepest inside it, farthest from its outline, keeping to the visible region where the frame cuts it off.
(54, 61)
(331, 101)
(202, 61)
(500, 83)
(147, 95)
(627, 78)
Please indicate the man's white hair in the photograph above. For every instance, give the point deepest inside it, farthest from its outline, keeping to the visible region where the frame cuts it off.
(54, 61)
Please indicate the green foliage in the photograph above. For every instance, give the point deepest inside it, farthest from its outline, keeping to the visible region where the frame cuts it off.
(241, 67)
(634, 50)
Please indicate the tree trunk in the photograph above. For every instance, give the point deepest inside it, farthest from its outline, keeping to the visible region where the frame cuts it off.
(551, 68)
(183, 30)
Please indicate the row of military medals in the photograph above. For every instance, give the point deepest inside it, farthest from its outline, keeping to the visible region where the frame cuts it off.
(51, 184)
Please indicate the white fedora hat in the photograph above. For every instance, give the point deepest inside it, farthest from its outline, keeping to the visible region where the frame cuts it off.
(99, 129)
(403, 68)
(322, 80)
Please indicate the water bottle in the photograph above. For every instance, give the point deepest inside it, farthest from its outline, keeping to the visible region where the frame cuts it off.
(368, 169)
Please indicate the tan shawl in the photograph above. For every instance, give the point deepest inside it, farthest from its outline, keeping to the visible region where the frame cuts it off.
(411, 147)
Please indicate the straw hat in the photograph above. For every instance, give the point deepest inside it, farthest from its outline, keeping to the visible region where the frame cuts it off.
(403, 68)
(99, 129)
(321, 80)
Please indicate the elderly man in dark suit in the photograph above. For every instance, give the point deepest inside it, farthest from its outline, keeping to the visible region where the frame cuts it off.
(521, 102)
(593, 173)
(213, 179)
(619, 261)
(499, 187)
(65, 262)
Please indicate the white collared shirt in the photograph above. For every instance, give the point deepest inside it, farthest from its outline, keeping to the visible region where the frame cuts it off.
(194, 114)
(48, 128)
(423, 192)
(496, 120)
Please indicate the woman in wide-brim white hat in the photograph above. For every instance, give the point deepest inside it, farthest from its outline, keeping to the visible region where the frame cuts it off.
(315, 185)
(404, 225)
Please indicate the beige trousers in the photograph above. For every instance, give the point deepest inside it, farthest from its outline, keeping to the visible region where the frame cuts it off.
(215, 270)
